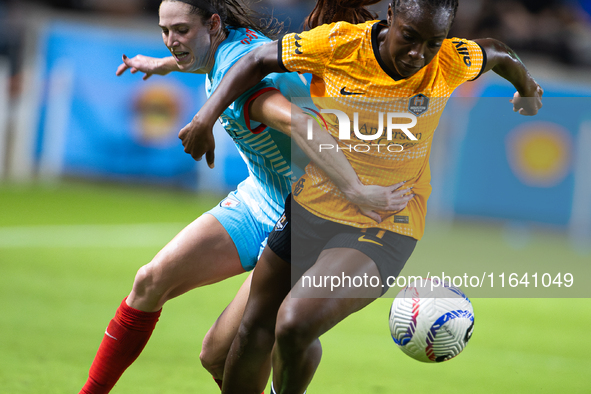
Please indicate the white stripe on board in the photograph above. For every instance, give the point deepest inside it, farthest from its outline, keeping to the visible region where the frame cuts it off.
(580, 220)
(4, 112)
(89, 235)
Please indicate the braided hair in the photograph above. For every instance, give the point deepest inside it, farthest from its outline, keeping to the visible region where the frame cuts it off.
(236, 14)
(401, 5)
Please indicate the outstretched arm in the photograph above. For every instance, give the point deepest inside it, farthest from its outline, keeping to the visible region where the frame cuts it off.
(147, 65)
(504, 61)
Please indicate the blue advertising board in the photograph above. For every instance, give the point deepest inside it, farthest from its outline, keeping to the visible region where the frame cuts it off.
(518, 167)
(121, 128)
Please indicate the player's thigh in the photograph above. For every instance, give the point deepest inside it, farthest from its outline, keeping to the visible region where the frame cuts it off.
(255, 304)
(340, 273)
(218, 340)
(270, 284)
(202, 253)
(310, 310)
(350, 274)
(257, 301)
(272, 276)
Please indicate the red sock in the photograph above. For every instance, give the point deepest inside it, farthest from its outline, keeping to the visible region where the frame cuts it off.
(123, 342)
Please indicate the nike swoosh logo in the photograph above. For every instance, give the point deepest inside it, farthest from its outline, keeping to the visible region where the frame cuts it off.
(298, 52)
(363, 239)
(110, 336)
(345, 93)
(297, 44)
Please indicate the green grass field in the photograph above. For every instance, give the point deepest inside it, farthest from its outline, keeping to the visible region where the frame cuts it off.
(68, 256)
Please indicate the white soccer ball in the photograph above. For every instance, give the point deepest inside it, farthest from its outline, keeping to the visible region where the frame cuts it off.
(431, 321)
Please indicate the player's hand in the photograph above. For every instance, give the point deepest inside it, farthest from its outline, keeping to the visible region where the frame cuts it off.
(148, 65)
(529, 105)
(198, 140)
(374, 198)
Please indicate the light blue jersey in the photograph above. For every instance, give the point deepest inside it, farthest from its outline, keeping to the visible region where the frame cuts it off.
(250, 212)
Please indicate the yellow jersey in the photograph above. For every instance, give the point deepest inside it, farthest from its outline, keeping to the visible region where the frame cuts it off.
(349, 75)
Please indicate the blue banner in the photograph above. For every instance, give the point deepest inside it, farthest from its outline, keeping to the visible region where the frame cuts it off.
(518, 167)
(113, 127)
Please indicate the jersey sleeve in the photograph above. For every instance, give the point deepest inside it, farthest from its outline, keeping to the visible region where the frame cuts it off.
(239, 108)
(291, 85)
(462, 60)
(309, 51)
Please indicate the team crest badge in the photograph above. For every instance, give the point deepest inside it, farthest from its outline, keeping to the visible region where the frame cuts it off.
(418, 104)
(229, 202)
(281, 223)
(297, 189)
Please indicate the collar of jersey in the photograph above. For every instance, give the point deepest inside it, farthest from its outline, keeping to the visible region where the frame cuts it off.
(375, 30)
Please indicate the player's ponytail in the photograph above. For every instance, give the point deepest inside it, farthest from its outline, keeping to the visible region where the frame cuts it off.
(236, 14)
(329, 11)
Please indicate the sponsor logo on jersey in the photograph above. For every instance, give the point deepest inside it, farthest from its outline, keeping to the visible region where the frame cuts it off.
(250, 35)
(346, 93)
(418, 104)
(229, 202)
(462, 49)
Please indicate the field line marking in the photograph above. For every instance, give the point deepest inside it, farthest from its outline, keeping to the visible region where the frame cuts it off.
(89, 235)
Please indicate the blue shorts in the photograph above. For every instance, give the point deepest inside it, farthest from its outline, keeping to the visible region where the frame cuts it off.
(248, 225)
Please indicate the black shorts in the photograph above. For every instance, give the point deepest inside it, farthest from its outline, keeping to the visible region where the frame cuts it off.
(312, 234)
(279, 240)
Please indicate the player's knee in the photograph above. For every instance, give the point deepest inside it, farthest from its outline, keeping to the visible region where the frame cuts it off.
(149, 288)
(211, 359)
(255, 335)
(292, 333)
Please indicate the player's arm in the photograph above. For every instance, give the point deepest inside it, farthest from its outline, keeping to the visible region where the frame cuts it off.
(148, 65)
(246, 73)
(275, 111)
(504, 61)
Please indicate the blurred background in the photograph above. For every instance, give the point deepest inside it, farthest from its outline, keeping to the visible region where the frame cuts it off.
(94, 181)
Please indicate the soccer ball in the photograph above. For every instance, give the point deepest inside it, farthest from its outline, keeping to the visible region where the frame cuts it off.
(431, 321)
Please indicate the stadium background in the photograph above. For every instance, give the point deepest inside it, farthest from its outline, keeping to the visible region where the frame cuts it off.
(94, 183)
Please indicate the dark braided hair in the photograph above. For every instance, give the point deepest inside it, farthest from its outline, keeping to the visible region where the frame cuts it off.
(233, 13)
(399, 5)
(354, 11)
